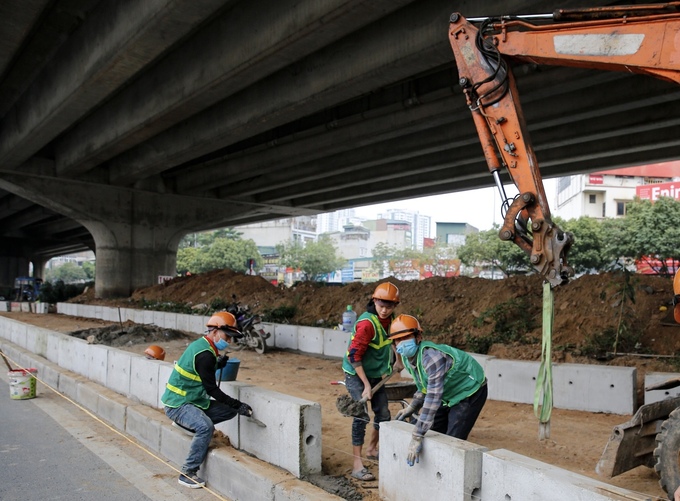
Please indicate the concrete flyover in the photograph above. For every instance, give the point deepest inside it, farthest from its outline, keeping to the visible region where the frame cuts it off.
(126, 125)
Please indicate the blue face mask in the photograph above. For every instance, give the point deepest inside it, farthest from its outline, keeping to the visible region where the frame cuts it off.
(407, 348)
(221, 344)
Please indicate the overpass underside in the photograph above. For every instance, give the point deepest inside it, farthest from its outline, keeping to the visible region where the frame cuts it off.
(124, 126)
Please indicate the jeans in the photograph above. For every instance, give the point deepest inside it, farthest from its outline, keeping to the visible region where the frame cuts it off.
(457, 421)
(202, 422)
(379, 405)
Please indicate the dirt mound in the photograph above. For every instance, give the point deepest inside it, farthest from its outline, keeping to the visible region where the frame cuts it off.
(130, 334)
(459, 310)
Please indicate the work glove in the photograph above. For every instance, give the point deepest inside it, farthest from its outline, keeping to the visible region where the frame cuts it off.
(414, 449)
(245, 410)
(222, 361)
(404, 413)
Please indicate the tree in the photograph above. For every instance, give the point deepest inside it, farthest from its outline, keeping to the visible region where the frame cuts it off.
(68, 273)
(484, 248)
(207, 238)
(587, 252)
(222, 253)
(652, 233)
(89, 269)
(315, 259)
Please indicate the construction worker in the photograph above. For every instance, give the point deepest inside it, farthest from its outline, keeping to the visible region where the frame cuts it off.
(155, 352)
(368, 357)
(187, 396)
(451, 385)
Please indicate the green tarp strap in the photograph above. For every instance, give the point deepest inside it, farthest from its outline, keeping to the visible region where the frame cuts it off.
(544, 381)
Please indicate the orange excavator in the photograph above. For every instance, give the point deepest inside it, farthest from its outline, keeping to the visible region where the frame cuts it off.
(641, 39)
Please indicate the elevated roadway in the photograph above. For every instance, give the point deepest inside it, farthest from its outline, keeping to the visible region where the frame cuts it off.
(126, 125)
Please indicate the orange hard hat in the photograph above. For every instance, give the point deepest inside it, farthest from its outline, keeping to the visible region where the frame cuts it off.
(155, 352)
(225, 321)
(404, 325)
(387, 292)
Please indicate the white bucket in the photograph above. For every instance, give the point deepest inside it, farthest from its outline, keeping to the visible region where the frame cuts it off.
(22, 383)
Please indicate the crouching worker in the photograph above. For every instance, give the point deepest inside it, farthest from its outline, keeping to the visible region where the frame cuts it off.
(451, 385)
(187, 395)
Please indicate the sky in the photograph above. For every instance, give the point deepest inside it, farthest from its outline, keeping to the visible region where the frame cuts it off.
(479, 208)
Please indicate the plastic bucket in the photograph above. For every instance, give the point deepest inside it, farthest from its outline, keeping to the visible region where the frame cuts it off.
(230, 370)
(22, 383)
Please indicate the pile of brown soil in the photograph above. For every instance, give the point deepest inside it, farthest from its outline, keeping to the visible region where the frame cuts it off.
(458, 310)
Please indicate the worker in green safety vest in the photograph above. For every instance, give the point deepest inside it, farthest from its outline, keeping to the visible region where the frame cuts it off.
(368, 358)
(451, 385)
(187, 398)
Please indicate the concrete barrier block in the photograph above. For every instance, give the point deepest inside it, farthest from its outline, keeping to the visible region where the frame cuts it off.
(512, 380)
(97, 363)
(144, 424)
(14, 306)
(25, 307)
(335, 342)
(507, 475)
(41, 308)
(112, 408)
(4, 306)
(483, 360)
(68, 384)
(35, 340)
(299, 490)
(69, 355)
(238, 476)
(652, 378)
(292, 438)
(144, 380)
(53, 341)
(286, 336)
(164, 371)
(310, 340)
(184, 322)
(269, 328)
(118, 371)
(448, 468)
(87, 395)
(595, 388)
(18, 333)
(48, 373)
(231, 428)
(148, 317)
(175, 443)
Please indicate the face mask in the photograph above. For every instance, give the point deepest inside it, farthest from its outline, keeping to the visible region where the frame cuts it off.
(221, 344)
(407, 348)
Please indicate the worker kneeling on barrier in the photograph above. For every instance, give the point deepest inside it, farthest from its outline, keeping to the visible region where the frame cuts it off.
(451, 385)
(192, 382)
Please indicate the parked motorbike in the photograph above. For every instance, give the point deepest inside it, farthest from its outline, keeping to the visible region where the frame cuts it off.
(248, 323)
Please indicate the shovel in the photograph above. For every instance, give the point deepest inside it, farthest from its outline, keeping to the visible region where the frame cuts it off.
(6, 361)
(352, 408)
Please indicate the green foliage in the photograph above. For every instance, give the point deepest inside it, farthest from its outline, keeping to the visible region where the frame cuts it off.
(170, 306)
(512, 320)
(218, 304)
(399, 262)
(650, 230)
(58, 292)
(280, 315)
(68, 273)
(206, 239)
(222, 253)
(486, 248)
(89, 269)
(587, 252)
(314, 259)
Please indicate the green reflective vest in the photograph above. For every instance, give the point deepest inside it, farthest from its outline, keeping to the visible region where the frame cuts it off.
(376, 359)
(463, 379)
(185, 385)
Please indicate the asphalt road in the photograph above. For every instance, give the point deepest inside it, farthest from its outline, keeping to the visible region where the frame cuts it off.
(52, 450)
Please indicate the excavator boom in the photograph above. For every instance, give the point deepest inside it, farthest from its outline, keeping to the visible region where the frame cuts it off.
(641, 39)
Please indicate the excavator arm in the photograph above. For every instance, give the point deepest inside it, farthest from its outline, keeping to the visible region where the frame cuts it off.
(641, 39)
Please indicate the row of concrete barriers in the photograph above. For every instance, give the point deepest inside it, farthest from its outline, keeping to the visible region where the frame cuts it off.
(123, 388)
(582, 387)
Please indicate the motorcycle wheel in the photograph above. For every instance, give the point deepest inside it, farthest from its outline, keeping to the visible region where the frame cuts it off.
(261, 346)
(239, 344)
(666, 453)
